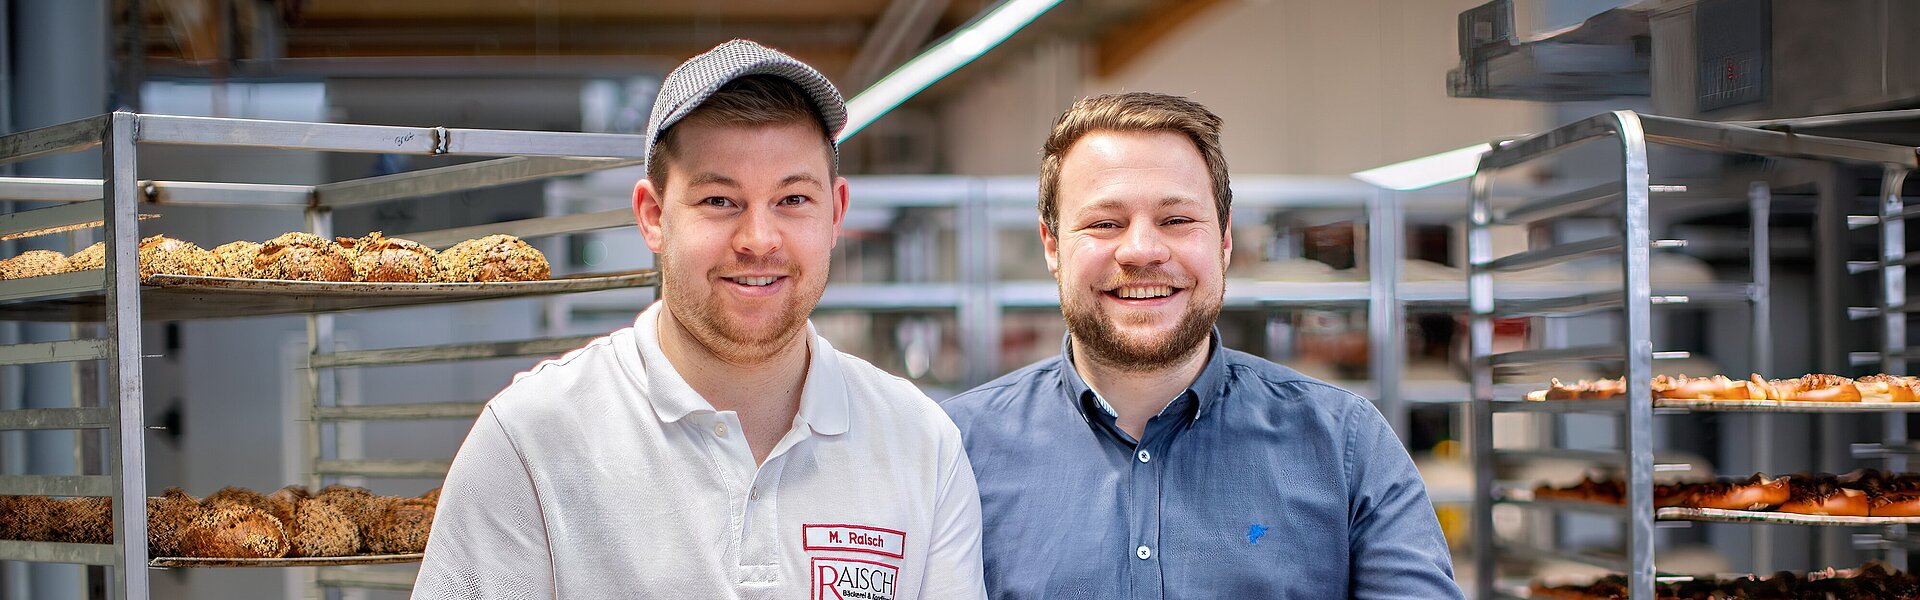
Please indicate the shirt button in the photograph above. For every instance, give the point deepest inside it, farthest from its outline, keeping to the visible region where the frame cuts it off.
(1144, 457)
(1143, 552)
(753, 494)
(720, 430)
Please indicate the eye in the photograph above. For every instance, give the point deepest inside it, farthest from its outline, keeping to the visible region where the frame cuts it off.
(794, 200)
(1178, 221)
(716, 201)
(1104, 225)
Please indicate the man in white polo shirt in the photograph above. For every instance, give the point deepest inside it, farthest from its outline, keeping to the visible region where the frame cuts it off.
(718, 448)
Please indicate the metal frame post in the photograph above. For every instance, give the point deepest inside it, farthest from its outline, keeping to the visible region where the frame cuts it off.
(128, 457)
(1480, 346)
(1893, 343)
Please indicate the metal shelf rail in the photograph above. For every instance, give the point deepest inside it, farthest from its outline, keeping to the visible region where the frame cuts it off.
(1629, 198)
(115, 203)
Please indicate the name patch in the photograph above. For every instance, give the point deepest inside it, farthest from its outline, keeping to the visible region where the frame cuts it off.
(853, 579)
(855, 538)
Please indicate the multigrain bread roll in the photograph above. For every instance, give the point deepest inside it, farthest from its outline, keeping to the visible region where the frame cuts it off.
(380, 259)
(33, 263)
(234, 531)
(322, 529)
(299, 256)
(237, 496)
(169, 516)
(493, 258)
(401, 526)
(162, 255)
(36, 518)
(93, 257)
(87, 520)
(236, 259)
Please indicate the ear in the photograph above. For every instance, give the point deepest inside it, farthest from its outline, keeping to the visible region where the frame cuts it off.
(1226, 244)
(647, 206)
(840, 201)
(1052, 246)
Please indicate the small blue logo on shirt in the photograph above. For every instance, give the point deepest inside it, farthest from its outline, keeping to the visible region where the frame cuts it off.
(1255, 532)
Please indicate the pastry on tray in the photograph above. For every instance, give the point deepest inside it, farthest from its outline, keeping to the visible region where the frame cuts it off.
(234, 531)
(33, 263)
(236, 259)
(493, 258)
(298, 256)
(380, 259)
(162, 255)
(88, 259)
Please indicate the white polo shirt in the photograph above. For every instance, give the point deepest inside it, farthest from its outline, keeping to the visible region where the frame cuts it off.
(602, 474)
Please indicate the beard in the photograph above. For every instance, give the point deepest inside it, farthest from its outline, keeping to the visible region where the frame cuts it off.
(713, 327)
(1095, 334)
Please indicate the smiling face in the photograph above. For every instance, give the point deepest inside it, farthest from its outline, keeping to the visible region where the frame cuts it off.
(1140, 252)
(743, 232)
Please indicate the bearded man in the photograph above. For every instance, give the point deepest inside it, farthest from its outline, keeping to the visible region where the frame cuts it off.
(718, 448)
(1147, 461)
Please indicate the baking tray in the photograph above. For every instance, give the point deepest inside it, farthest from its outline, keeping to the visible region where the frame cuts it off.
(1613, 404)
(181, 297)
(305, 561)
(1760, 516)
(1716, 515)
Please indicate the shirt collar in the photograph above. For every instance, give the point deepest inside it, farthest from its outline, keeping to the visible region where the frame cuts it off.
(1207, 389)
(823, 399)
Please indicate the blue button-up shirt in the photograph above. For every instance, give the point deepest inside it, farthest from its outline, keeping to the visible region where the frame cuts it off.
(1256, 482)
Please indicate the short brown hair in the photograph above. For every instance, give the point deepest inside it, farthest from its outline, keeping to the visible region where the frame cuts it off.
(751, 100)
(1135, 112)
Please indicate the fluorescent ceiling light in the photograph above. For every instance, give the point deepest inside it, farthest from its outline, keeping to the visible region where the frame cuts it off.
(945, 57)
(1426, 171)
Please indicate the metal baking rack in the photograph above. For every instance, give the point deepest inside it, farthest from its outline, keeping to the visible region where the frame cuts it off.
(117, 298)
(1627, 200)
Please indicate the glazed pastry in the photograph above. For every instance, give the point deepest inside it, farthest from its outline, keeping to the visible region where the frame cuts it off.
(298, 256)
(168, 516)
(162, 255)
(1717, 387)
(1753, 493)
(93, 257)
(234, 531)
(493, 258)
(1582, 390)
(236, 259)
(1887, 388)
(382, 259)
(33, 263)
(1823, 495)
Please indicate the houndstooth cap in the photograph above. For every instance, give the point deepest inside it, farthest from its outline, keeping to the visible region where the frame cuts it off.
(693, 81)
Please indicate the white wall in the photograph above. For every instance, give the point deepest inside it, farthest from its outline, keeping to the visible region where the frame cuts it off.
(1321, 87)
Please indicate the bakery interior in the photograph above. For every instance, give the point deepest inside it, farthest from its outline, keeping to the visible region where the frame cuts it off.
(1513, 225)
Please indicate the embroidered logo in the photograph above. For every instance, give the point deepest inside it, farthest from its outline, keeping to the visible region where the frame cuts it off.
(852, 579)
(1256, 532)
(854, 538)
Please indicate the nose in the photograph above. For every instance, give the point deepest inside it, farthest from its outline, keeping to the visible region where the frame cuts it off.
(757, 234)
(1142, 245)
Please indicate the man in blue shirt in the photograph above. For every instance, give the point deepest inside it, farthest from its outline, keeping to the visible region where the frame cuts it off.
(1147, 461)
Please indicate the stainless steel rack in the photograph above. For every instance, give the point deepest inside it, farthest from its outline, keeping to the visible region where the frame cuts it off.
(1627, 200)
(118, 298)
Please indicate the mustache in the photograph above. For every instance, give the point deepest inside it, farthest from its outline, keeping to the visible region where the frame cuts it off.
(764, 266)
(1144, 276)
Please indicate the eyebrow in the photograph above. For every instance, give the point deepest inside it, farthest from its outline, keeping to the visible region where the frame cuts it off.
(1112, 203)
(718, 179)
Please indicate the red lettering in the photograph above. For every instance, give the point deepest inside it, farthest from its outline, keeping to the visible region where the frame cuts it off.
(833, 537)
(826, 579)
